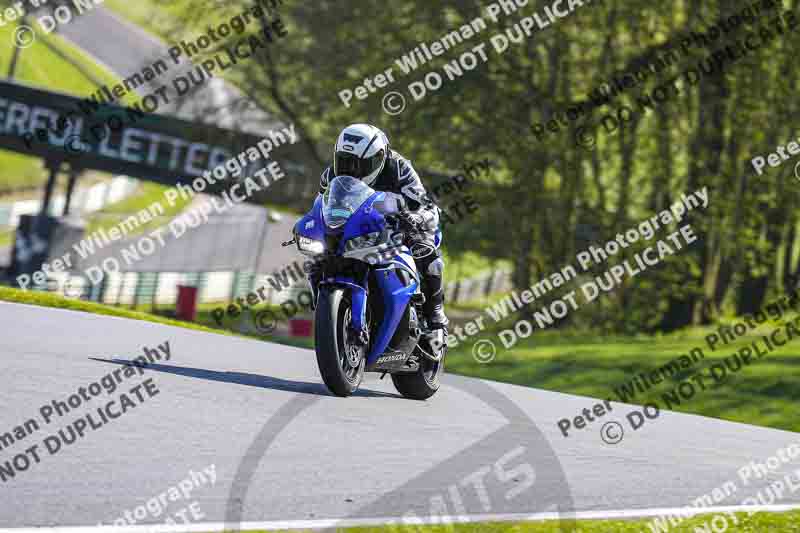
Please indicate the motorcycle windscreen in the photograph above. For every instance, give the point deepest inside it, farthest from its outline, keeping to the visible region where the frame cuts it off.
(344, 196)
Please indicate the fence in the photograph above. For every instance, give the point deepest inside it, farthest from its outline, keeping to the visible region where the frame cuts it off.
(481, 287)
(161, 288)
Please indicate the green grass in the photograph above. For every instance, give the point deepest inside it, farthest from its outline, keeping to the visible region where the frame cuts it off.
(151, 15)
(148, 194)
(756, 523)
(759, 394)
(38, 65)
(6, 237)
(204, 320)
(232, 323)
(468, 265)
(19, 171)
(52, 300)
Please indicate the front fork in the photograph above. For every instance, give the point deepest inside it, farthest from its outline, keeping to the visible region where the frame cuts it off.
(358, 302)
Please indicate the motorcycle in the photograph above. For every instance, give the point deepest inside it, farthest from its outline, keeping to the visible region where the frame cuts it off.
(366, 292)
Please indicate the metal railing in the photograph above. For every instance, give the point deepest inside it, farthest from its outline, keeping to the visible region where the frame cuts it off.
(136, 289)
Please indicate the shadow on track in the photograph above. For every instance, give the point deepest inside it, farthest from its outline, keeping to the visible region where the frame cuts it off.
(243, 378)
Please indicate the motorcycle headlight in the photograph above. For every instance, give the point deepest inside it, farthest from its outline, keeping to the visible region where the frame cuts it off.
(365, 241)
(310, 246)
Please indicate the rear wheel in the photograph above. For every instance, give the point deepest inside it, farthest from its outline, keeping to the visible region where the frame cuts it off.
(423, 383)
(341, 362)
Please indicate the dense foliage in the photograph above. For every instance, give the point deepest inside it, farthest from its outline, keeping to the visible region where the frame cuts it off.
(547, 197)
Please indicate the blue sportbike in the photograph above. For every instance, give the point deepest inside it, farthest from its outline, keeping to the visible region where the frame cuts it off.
(366, 292)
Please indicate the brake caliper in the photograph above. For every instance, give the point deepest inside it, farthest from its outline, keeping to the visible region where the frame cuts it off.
(360, 338)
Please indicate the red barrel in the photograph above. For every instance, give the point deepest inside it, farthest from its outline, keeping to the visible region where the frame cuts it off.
(300, 327)
(186, 308)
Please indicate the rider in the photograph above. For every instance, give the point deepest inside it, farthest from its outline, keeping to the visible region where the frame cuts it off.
(363, 151)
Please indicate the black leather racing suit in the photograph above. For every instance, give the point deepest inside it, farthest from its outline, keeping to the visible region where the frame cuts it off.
(398, 176)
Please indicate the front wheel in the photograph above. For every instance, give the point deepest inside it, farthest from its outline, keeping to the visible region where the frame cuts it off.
(341, 362)
(423, 383)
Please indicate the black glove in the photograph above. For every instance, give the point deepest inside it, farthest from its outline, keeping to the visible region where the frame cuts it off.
(411, 220)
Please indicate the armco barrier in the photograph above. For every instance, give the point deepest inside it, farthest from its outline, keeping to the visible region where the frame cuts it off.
(160, 288)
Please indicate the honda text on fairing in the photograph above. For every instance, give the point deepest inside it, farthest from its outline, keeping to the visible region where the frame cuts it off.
(366, 291)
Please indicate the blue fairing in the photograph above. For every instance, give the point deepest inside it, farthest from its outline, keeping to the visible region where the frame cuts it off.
(393, 292)
(312, 225)
(395, 299)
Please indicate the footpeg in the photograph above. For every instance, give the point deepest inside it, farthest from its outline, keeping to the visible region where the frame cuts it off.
(437, 341)
(418, 298)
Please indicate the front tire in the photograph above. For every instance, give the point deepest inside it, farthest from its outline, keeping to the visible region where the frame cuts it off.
(423, 383)
(331, 323)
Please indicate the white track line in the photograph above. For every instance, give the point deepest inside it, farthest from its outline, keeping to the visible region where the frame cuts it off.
(212, 527)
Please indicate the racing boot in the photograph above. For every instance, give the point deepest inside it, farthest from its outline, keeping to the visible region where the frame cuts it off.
(433, 308)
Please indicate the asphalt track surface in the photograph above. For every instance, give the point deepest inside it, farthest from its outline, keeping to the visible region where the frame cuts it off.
(283, 449)
(286, 451)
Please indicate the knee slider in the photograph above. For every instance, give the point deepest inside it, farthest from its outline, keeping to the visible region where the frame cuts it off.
(435, 268)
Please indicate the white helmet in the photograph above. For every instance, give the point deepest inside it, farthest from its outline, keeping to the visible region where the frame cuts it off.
(361, 151)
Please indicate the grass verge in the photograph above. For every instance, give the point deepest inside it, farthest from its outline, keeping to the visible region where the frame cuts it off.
(206, 317)
(148, 194)
(45, 299)
(740, 523)
(142, 14)
(205, 321)
(760, 393)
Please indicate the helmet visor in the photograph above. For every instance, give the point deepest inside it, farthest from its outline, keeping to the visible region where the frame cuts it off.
(347, 164)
